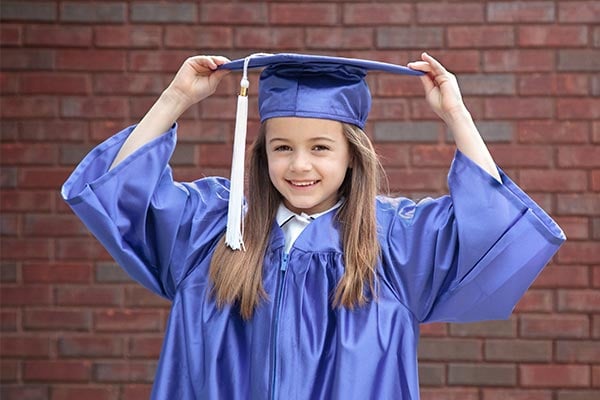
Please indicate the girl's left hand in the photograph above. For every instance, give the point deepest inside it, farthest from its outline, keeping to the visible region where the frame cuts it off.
(441, 88)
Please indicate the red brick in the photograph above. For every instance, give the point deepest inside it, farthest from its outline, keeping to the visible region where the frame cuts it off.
(24, 347)
(54, 130)
(200, 37)
(513, 12)
(579, 11)
(128, 320)
(28, 107)
(578, 394)
(25, 295)
(63, 371)
(9, 84)
(390, 109)
(395, 86)
(579, 300)
(339, 38)
(536, 301)
(11, 35)
(480, 37)
(85, 392)
(434, 329)
(91, 60)
(52, 272)
(145, 346)
(516, 394)
(431, 374)
(449, 394)
(137, 391)
(554, 326)
(429, 156)
(16, 248)
(9, 225)
(578, 204)
(510, 156)
(596, 277)
(506, 328)
(80, 249)
(547, 36)
(579, 156)
(55, 83)
(141, 297)
(309, 14)
(405, 180)
(553, 132)
(43, 178)
(94, 107)
(9, 319)
(556, 84)
(153, 61)
(58, 35)
(378, 14)
(519, 108)
(581, 252)
(578, 60)
(574, 227)
(409, 37)
(518, 60)
(128, 36)
(27, 59)
(584, 108)
(392, 155)
(557, 376)
(554, 180)
(88, 296)
(9, 371)
(90, 346)
(234, 13)
(53, 225)
(54, 319)
(125, 372)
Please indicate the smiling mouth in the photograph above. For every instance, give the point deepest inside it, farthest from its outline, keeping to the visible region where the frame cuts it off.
(302, 183)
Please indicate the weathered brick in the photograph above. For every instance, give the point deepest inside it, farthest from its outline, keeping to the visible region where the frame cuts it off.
(487, 84)
(28, 11)
(410, 37)
(481, 37)
(109, 272)
(579, 11)
(577, 351)
(11, 34)
(8, 272)
(553, 84)
(339, 38)
(547, 36)
(450, 349)
(91, 346)
(266, 38)
(28, 107)
(579, 156)
(378, 14)
(513, 12)
(136, 391)
(407, 131)
(141, 297)
(8, 320)
(25, 295)
(516, 394)
(55, 83)
(55, 319)
(454, 13)
(535, 300)
(578, 60)
(136, 36)
(482, 374)
(145, 346)
(164, 12)
(94, 107)
(578, 204)
(234, 13)
(127, 321)
(21, 392)
(579, 300)
(15, 248)
(53, 130)
(584, 252)
(518, 60)
(578, 394)
(519, 108)
(447, 393)
(91, 60)
(578, 108)
(27, 59)
(432, 374)
(558, 376)
(554, 326)
(551, 181)
(506, 328)
(94, 12)
(553, 132)
(85, 392)
(428, 155)
(88, 296)
(124, 372)
(24, 347)
(152, 61)
(51, 272)
(518, 350)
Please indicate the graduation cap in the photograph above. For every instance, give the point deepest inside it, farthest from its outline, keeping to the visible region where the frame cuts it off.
(297, 85)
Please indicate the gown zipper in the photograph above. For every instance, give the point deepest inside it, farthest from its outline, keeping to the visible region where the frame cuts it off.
(282, 269)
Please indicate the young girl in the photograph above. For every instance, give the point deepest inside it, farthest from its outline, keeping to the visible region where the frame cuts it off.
(326, 299)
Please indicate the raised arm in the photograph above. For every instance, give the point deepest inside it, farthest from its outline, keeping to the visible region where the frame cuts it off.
(196, 79)
(443, 95)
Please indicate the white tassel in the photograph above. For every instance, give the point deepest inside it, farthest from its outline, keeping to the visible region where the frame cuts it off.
(234, 237)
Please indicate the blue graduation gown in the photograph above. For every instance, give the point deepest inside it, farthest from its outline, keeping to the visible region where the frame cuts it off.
(468, 256)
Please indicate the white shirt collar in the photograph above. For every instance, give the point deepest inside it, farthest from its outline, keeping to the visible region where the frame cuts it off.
(284, 214)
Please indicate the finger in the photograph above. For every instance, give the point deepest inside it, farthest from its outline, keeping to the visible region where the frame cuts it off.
(419, 66)
(436, 66)
(427, 82)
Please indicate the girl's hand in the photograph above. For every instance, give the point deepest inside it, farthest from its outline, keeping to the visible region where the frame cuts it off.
(197, 79)
(441, 88)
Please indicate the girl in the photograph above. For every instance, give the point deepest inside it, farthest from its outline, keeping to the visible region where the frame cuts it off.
(327, 298)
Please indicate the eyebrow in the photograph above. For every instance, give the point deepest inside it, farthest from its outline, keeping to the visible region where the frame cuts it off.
(313, 139)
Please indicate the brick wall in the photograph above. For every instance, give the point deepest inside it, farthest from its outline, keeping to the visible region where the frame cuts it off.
(73, 72)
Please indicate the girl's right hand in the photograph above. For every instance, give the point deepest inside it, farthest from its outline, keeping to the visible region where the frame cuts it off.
(197, 79)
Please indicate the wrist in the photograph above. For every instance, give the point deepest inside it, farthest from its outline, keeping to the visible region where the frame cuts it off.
(458, 116)
(174, 101)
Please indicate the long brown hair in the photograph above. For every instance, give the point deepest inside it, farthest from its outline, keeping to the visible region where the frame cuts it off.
(237, 275)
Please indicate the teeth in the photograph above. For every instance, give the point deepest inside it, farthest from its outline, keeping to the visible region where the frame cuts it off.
(303, 183)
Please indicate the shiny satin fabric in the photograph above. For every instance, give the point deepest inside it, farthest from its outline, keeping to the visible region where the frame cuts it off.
(468, 256)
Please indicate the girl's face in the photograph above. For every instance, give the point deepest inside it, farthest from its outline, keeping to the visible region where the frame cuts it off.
(308, 159)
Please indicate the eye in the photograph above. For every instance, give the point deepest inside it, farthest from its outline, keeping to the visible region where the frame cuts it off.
(282, 147)
(320, 147)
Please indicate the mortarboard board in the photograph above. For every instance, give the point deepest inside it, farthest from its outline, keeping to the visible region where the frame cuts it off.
(300, 85)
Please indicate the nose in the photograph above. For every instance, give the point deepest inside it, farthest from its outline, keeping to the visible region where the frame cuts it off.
(300, 162)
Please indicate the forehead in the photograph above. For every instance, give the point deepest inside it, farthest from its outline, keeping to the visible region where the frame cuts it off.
(301, 128)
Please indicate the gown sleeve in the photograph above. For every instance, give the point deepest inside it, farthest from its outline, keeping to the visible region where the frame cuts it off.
(469, 256)
(155, 228)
